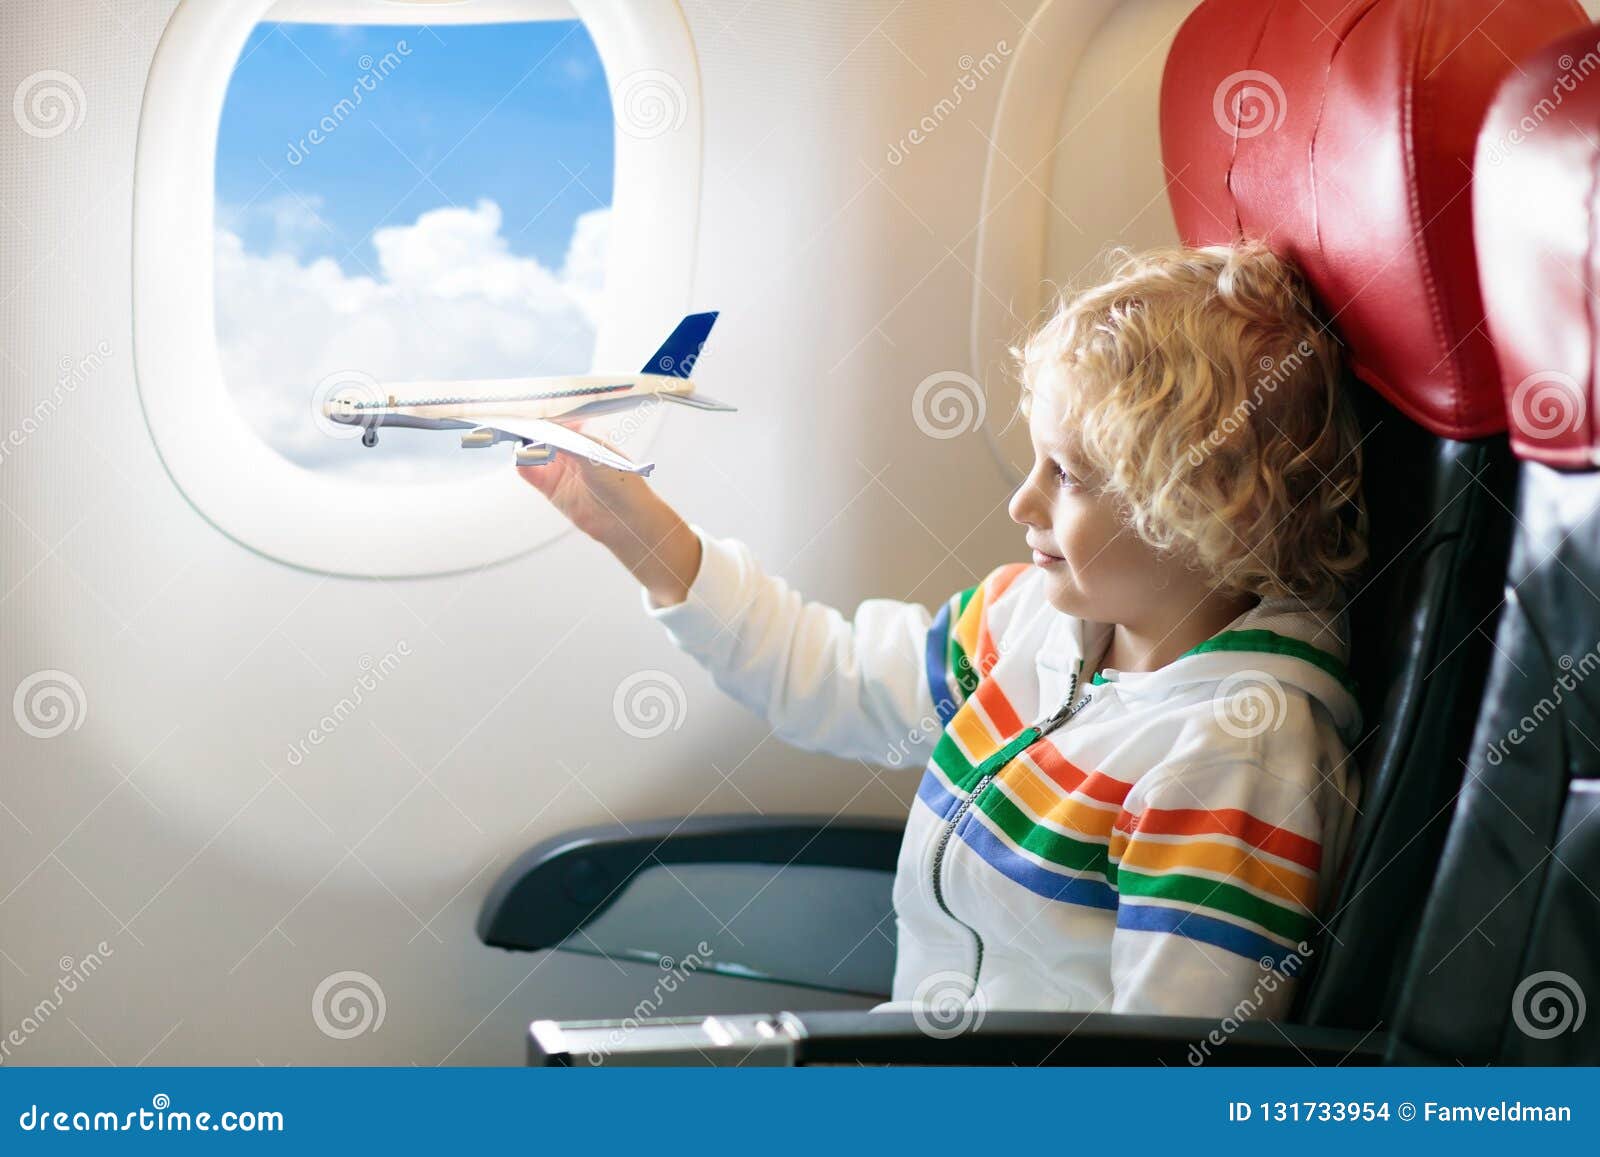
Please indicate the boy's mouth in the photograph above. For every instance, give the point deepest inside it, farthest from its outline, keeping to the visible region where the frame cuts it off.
(1044, 557)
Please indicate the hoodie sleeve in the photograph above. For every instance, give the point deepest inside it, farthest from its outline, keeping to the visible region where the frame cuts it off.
(853, 688)
(1217, 870)
(856, 688)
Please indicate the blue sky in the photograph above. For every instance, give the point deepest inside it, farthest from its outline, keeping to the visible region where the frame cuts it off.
(516, 113)
(490, 266)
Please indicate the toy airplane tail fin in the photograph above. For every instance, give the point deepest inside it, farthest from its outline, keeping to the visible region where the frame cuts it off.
(678, 353)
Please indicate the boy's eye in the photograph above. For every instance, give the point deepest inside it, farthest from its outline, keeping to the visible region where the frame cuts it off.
(1062, 477)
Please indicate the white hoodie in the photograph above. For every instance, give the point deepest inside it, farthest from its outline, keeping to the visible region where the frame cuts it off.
(1164, 848)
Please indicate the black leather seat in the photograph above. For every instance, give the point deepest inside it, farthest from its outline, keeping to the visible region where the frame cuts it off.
(1509, 946)
(1508, 953)
(1440, 528)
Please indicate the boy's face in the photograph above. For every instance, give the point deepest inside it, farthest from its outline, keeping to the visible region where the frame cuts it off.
(1096, 566)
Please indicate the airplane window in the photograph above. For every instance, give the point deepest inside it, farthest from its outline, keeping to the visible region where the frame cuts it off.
(329, 202)
(402, 204)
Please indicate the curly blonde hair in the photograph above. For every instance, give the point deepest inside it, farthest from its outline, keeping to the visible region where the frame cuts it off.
(1201, 388)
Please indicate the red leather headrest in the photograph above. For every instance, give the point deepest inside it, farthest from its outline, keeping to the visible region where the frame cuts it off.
(1535, 218)
(1343, 134)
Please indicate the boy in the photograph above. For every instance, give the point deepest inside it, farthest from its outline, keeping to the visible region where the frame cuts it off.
(1137, 794)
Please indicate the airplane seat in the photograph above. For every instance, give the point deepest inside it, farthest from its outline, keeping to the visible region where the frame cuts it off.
(1363, 177)
(1508, 951)
(1343, 134)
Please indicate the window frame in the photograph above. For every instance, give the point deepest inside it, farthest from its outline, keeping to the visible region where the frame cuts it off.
(314, 520)
(1011, 288)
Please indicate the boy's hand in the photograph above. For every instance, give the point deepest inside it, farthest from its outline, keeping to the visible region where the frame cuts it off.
(620, 511)
(598, 500)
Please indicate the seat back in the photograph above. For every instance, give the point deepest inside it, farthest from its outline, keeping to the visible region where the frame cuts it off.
(1343, 134)
(1508, 952)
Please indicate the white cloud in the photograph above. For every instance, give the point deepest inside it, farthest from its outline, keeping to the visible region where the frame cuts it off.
(583, 271)
(288, 222)
(448, 300)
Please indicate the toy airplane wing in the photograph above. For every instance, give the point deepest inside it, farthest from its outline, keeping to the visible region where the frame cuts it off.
(540, 438)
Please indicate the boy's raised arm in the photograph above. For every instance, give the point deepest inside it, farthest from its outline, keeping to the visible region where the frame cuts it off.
(855, 688)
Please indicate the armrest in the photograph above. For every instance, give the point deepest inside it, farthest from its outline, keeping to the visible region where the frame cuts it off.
(1002, 1038)
(1078, 1038)
(556, 888)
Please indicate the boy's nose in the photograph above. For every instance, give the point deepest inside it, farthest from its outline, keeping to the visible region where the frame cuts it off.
(1024, 506)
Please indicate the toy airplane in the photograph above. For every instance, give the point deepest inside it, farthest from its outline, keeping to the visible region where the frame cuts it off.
(531, 418)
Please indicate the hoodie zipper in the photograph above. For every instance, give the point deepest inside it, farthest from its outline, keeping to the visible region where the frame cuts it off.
(990, 768)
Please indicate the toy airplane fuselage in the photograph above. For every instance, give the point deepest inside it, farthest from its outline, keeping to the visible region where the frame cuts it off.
(530, 411)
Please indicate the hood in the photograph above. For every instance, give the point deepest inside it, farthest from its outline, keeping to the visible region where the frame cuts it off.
(1279, 637)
